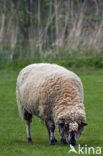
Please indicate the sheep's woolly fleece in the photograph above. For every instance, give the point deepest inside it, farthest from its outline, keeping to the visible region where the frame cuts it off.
(51, 92)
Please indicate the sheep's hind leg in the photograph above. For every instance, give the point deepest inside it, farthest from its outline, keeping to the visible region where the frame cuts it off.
(28, 118)
(51, 128)
(28, 131)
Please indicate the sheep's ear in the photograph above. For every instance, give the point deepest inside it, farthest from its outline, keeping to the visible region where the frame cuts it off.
(83, 124)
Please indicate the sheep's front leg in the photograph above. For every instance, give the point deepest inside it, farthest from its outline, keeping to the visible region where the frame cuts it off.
(51, 128)
(63, 141)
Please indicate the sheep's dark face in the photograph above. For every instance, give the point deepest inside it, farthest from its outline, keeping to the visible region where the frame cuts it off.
(75, 132)
(70, 131)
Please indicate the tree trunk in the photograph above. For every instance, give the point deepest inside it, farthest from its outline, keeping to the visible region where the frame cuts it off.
(56, 18)
(29, 19)
(38, 12)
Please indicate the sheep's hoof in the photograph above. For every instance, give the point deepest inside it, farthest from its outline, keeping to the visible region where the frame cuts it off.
(52, 142)
(63, 141)
(29, 139)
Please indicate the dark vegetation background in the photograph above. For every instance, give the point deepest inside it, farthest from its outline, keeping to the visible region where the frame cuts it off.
(67, 32)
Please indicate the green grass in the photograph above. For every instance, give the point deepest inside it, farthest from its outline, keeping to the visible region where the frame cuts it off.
(12, 128)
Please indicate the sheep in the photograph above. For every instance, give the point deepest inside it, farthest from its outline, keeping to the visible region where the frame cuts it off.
(55, 95)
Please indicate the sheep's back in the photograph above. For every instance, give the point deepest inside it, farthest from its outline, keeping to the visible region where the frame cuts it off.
(33, 76)
(40, 71)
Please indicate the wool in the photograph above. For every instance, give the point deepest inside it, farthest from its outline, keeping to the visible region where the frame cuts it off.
(51, 92)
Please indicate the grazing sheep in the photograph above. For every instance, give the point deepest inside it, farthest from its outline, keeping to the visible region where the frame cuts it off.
(54, 94)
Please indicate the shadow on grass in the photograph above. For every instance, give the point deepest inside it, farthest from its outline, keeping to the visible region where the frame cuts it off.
(37, 143)
(42, 143)
(91, 142)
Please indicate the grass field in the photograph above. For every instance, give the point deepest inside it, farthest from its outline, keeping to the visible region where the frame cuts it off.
(12, 129)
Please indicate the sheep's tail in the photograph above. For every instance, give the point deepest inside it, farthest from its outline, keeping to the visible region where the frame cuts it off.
(21, 111)
(20, 106)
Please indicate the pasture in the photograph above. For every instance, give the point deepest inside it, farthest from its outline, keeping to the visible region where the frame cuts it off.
(12, 128)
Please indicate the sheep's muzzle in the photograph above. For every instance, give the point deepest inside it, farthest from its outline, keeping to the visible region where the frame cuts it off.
(72, 138)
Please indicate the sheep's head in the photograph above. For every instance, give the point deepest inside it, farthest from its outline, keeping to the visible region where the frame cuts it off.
(70, 130)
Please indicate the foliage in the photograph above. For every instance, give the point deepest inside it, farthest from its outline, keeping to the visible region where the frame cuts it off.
(50, 30)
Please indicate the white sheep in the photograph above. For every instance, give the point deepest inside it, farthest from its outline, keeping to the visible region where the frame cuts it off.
(54, 94)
